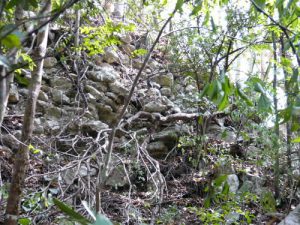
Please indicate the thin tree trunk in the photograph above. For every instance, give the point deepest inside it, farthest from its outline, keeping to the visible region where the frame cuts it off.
(276, 127)
(6, 80)
(22, 156)
(288, 124)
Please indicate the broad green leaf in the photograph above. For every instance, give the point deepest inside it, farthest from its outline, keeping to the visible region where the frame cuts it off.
(75, 216)
(207, 202)
(260, 3)
(179, 5)
(24, 81)
(33, 3)
(13, 3)
(224, 103)
(243, 96)
(219, 180)
(264, 103)
(259, 88)
(196, 9)
(296, 140)
(204, 91)
(227, 87)
(102, 220)
(226, 189)
(11, 41)
(24, 221)
(87, 208)
(212, 23)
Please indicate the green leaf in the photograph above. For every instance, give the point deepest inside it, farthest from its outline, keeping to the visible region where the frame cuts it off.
(179, 5)
(207, 202)
(243, 96)
(205, 91)
(219, 180)
(259, 88)
(102, 220)
(12, 3)
(196, 9)
(75, 216)
(24, 221)
(24, 81)
(11, 41)
(286, 114)
(264, 103)
(227, 87)
(212, 23)
(226, 189)
(33, 3)
(260, 3)
(224, 103)
(296, 140)
(85, 204)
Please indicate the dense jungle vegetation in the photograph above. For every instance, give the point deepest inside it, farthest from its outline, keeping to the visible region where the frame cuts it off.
(149, 112)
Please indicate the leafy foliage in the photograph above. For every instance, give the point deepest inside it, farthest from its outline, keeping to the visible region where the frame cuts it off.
(96, 39)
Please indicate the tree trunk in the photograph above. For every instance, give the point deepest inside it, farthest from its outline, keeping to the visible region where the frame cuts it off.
(6, 80)
(22, 156)
(288, 123)
(276, 127)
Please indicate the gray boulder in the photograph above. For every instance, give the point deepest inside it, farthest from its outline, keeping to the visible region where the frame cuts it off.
(155, 106)
(13, 94)
(166, 80)
(233, 182)
(157, 149)
(118, 88)
(293, 218)
(106, 74)
(111, 56)
(93, 126)
(50, 62)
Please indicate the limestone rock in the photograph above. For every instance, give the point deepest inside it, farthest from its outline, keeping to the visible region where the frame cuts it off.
(105, 74)
(52, 126)
(93, 126)
(165, 91)
(13, 97)
(42, 106)
(169, 137)
(53, 112)
(59, 97)
(105, 113)
(61, 83)
(93, 91)
(118, 88)
(190, 88)
(155, 106)
(125, 60)
(111, 56)
(71, 174)
(128, 49)
(126, 38)
(137, 63)
(157, 149)
(39, 126)
(233, 182)
(50, 62)
(99, 86)
(98, 60)
(166, 80)
(118, 177)
(43, 96)
(293, 218)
